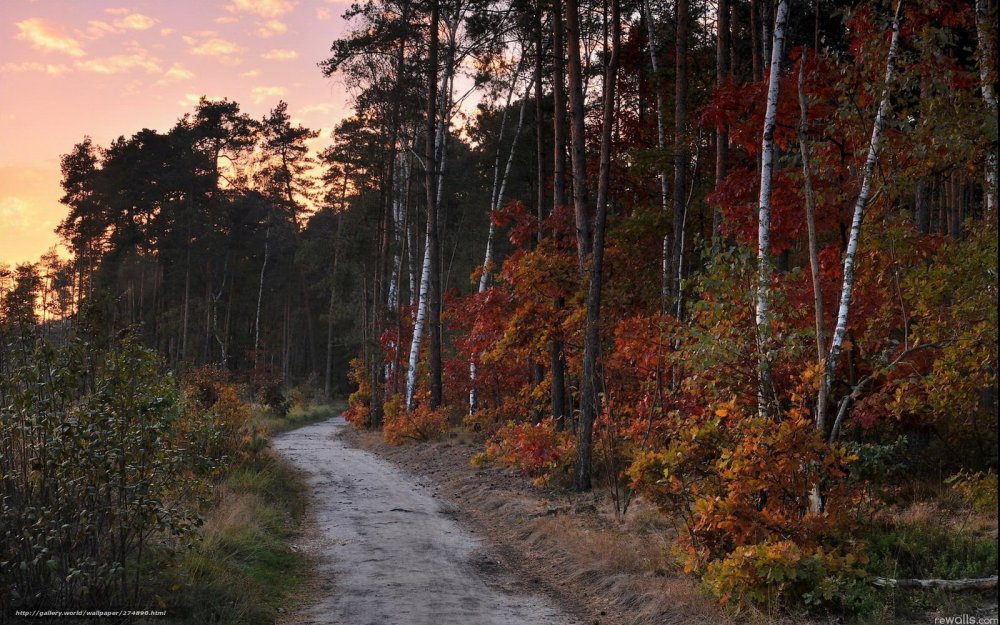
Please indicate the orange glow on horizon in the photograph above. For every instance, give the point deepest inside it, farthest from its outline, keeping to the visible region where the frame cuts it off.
(106, 69)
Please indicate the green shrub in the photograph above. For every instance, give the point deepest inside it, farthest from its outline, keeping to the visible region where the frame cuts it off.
(92, 484)
(781, 573)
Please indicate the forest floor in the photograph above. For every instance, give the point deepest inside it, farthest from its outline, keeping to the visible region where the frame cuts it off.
(388, 548)
(602, 570)
(414, 534)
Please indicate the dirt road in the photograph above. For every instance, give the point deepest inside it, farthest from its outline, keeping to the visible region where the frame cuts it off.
(390, 551)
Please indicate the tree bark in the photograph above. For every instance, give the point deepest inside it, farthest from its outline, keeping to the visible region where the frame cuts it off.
(986, 30)
(844, 307)
(680, 151)
(815, 500)
(764, 269)
(499, 189)
(721, 134)
(661, 144)
(578, 155)
(589, 400)
(557, 362)
(434, 279)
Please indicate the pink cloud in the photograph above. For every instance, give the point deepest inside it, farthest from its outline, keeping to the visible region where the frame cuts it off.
(47, 37)
(280, 55)
(263, 8)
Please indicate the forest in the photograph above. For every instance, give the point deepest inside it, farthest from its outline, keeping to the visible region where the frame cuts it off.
(735, 260)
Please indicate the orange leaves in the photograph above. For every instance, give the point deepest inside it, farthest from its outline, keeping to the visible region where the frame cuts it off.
(538, 450)
(421, 424)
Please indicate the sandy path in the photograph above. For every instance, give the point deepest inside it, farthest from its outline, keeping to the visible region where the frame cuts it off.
(392, 552)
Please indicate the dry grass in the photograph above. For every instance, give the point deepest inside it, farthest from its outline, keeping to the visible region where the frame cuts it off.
(604, 570)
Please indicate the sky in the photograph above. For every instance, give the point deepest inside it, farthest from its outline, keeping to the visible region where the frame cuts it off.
(106, 68)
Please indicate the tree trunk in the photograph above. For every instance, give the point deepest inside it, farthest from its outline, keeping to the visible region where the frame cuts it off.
(680, 150)
(578, 157)
(499, 188)
(557, 362)
(661, 144)
(434, 279)
(815, 500)
(755, 45)
(859, 212)
(328, 377)
(986, 30)
(260, 284)
(721, 134)
(764, 218)
(589, 400)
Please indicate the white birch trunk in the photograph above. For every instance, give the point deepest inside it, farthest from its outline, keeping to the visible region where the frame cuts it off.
(661, 143)
(499, 189)
(764, 214)
(402, 184)
(986, 53)
(421, 316)
(847, 287)
(260, 287)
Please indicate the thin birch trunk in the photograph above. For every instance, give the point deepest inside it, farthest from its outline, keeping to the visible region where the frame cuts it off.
(811, 219)
(661, 144)
(986, 59)
(680, 150)
(402, 183)
(578, 157)
(499, 188)
(844, 308)
(260, 285)
(763, 318)
(815, 499)
(722, 134)
(440, 151)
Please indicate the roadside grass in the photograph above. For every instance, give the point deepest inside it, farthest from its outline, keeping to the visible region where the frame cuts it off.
(297, 417)
(244, 570)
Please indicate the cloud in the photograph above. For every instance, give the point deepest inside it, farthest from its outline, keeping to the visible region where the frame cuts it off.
(280, 55)
(316, 108)
(226, 19)
(14, 212)
(97, 29)
(177, 73)
(191, 100)
(121, 63)
(271, 28)
(118, 11)
(30, 66)
(164, 32)
(264, 8)
(259, 94)
(323, 13)
(253, 73)
(48, 38)
(135, 21)
(224, 50)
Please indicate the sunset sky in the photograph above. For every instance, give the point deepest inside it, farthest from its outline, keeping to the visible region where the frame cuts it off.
(104, 68)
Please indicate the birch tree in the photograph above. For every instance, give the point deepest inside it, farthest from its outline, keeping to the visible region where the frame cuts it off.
(986, 54)
(850, 255)
(764, 268)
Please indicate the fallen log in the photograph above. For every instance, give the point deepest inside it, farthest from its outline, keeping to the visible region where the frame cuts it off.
(950, 585)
